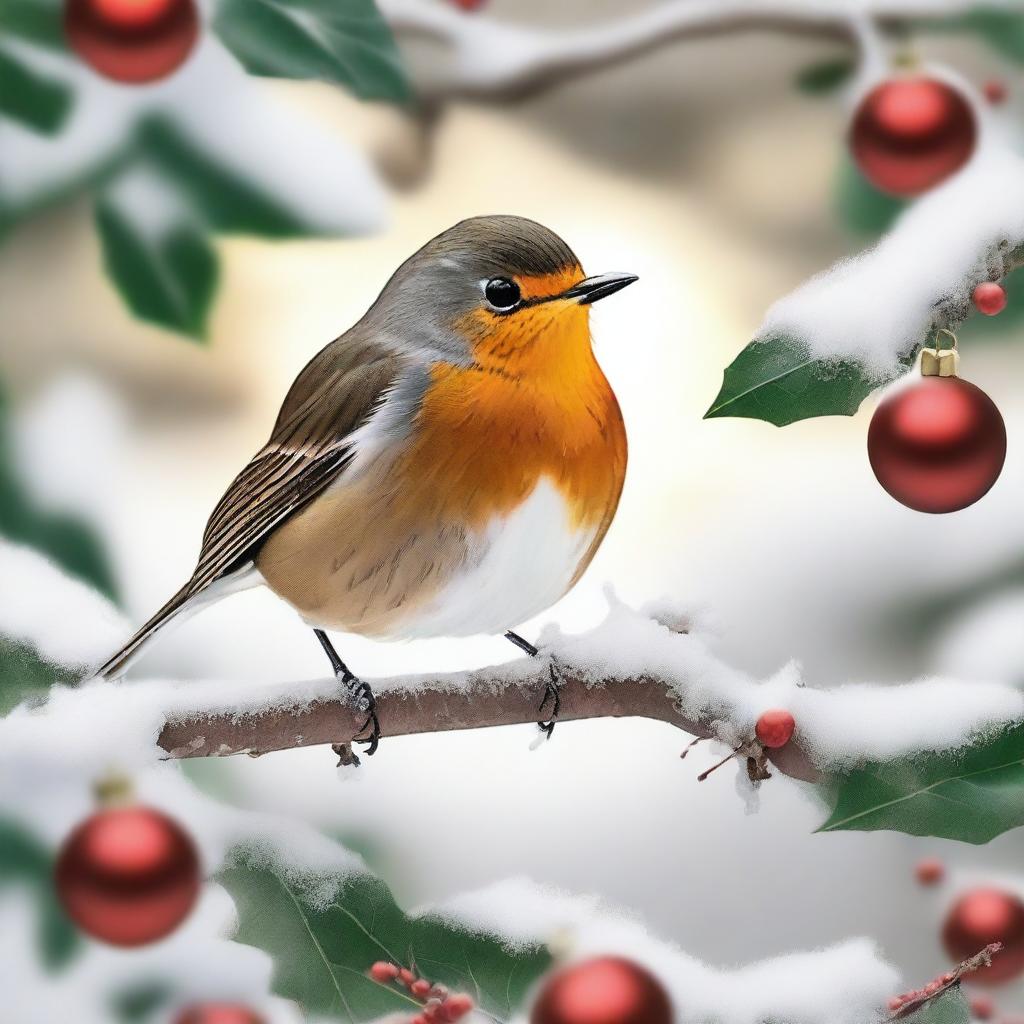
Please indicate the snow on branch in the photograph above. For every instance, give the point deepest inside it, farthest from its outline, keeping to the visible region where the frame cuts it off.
(489, 58)
(649, 663)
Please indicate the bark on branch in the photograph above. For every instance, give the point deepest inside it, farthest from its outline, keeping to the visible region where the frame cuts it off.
(482, 699)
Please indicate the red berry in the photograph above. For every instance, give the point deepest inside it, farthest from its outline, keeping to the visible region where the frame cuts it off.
(406, 977)
(937, 445)
(895, 1002)
(132, 40)
(469, 5)
(910, 133)
(128, 875)
(982, 1008)
(989, 298)
(929, 871)
(982, 916)
(605, 990)
(420, 988)
(775, 728)
(932, 987)
(383, 972)
(995, 91)
(457, 1006)
(218, 1013)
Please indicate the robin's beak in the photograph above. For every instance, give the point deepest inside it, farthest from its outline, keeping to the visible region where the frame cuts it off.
(590, 289)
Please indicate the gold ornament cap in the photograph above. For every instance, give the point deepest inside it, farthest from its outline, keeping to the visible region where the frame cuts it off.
(941, 362)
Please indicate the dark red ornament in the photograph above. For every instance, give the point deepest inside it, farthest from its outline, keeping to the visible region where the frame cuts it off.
(218, 1013)
(128, 875)
(132, 41)
(939, 444)
(982, 916)
(605, 990)
(910, 133)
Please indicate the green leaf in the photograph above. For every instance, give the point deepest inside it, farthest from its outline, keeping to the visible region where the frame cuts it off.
(228, 202)
(23, 673)
(778, 380)
(71, 544)
(348, 43)
(948, 1008)
(1001, 29)
(972, 795)
(166, 272)
(40, 21)
(26, 96)
(861, 207)
(321, 952)
(825, 76)
(24, 861)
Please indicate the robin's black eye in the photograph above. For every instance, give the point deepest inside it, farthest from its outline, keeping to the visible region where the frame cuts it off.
(502, 293)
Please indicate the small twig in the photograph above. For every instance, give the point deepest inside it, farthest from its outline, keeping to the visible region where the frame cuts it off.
(916, 1000)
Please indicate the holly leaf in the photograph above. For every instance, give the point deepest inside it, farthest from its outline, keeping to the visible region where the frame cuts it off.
(824, 76)
(39, 21)
(32, 99)
(948, 1008)
(348, 43)
(24, 861)
(972, 795)
(71, 544)
(777, 379)
(23, 673)
(861, 207)
(321, 951)
(157, 253)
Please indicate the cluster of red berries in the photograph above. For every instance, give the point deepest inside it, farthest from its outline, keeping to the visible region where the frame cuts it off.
(439, 1005)
(917, 995)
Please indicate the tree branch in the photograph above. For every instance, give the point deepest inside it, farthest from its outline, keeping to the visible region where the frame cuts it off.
(482, 699)
(497, 60)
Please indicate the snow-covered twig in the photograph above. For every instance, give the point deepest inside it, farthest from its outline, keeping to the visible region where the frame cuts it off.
(489, 58)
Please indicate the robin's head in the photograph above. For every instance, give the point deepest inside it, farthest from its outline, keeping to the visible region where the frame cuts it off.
(503, 292)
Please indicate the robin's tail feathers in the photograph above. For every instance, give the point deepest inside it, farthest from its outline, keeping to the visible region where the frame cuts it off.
(186, 601)
(118, 664)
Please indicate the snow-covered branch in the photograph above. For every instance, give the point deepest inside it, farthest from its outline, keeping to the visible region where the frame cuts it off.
(489, 58)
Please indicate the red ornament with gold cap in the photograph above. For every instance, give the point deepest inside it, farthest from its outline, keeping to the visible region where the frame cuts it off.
(938, 444)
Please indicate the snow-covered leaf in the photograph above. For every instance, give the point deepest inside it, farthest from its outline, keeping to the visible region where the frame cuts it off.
(346, 43)
(62, 538)
(24, 673)
(24, 861)
(824, 76)
(35, 100)
(779, 380)
(322, 947)
(157, 253)
(41, 21)
(972, 795)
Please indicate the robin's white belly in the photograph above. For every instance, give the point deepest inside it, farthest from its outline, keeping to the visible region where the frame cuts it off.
(520, 565)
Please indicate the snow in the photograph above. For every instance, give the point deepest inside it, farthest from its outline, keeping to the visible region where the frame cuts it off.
(878, 305)
(843, 984)
(233, 117)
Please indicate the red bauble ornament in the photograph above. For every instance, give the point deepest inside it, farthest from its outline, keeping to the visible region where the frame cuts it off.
(775, 728)
(939, 444)
(989, 298)
(132, 40)
(910, 133)
(218, 1013)
(606, 990)
(128, 875)
(980, 917)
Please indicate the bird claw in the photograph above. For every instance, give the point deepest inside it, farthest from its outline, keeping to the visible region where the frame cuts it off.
(364, 701)
(551, 693)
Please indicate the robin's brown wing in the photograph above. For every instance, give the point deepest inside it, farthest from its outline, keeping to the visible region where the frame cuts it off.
(309, 447)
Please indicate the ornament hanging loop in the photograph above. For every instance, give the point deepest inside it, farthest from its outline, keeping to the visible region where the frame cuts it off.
(937, 361)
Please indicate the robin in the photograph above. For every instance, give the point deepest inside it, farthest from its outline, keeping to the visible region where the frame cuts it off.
(447, 467)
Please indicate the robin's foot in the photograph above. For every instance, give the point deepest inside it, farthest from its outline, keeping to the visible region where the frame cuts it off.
(551, 690)
(362, 699)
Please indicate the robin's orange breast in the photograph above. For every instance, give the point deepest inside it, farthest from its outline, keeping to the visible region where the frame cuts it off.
(483, 516)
